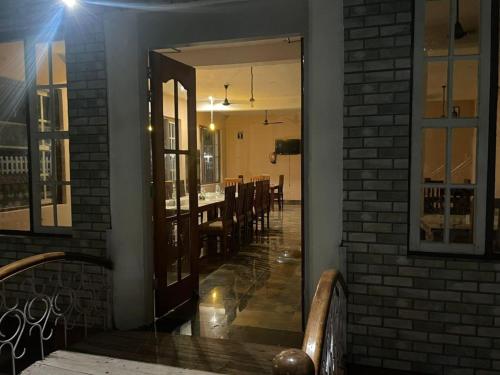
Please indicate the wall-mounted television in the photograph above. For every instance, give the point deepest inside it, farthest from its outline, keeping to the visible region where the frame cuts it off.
(287, 147)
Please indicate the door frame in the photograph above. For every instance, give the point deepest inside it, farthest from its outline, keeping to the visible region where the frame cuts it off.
(129, 35)
(302, 153)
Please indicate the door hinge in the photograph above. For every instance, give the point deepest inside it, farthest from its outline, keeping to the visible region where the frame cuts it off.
(150, 95)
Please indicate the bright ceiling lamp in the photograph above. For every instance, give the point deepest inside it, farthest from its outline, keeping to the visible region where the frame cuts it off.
(212, 125)
(70, 3)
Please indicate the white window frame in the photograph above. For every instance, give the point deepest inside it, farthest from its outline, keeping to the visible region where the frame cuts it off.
(36, 136)
(419, 122)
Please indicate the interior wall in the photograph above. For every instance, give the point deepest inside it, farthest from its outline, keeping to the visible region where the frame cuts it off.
(250, 156)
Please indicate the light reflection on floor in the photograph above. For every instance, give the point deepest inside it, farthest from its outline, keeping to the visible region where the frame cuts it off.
(256, 295)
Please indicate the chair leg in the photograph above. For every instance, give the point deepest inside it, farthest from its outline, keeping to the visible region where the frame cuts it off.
(267, 219)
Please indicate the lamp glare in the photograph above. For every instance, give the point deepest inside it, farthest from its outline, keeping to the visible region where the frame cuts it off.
(212, 126)
(70, 3)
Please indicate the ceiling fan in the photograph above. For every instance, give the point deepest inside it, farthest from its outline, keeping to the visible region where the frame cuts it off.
(267, 122)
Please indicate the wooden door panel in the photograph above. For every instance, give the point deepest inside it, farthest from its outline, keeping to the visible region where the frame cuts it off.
(175, 188)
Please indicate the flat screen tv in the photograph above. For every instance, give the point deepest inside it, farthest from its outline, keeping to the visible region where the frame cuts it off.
(287, 147)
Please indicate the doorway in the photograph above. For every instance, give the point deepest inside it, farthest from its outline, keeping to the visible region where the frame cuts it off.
(248, 128)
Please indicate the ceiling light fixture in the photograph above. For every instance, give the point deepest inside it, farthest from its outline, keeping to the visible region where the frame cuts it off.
(212, 125)
(70, 3)
(252, 99)
(226, 100)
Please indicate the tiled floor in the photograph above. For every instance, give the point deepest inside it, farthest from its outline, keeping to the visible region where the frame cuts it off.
(256, 295)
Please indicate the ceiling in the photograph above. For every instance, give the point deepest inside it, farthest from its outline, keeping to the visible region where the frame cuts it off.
(276, 69)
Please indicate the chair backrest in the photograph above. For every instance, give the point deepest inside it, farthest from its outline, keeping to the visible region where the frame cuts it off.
(229, 203)
(259, 185)
(240, 202)
(256, 178)
(231, 182)
(240, 177)
(326, 329)
(250, 192)
(266, 197)
(281, 181)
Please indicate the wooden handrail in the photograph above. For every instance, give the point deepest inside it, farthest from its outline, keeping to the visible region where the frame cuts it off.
(25, 264)
(315, 329)
(308, 360)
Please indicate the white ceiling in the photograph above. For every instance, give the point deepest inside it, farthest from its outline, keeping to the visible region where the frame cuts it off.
(276, 67)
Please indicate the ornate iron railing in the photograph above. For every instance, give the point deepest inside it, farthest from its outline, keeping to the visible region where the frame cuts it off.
(45, 291)
(324, 347)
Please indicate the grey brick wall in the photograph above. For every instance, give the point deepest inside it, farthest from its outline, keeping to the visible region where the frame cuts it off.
(422, 314)
(85, 55)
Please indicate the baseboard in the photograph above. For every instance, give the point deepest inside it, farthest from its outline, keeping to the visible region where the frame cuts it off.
(368, 370)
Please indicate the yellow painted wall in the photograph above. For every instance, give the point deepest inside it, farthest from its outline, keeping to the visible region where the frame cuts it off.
(250, 156)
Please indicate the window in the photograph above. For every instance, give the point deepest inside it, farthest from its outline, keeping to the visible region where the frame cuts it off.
(43, 157)
(15, 211)
(450, 126)
(169, 142)
(210, 161)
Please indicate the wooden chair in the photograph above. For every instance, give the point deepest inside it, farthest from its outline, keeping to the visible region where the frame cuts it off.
(240, 177)
(266, 201)
(240, 212)
(231, 182)
(277, 193)
(258, 212)
(249, 217)
(223, 227)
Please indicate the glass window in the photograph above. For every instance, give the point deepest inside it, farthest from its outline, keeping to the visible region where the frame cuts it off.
(444, 208)
(14, 159)
(51, 138)
(210, 160)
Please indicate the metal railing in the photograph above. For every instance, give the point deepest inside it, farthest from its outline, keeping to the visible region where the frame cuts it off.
(42, 292)
(324, 346)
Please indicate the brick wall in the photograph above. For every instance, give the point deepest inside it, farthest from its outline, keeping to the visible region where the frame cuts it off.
(423, 314)
(85, 55)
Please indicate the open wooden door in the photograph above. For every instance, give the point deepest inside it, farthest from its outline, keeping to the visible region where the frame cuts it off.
(175, 185)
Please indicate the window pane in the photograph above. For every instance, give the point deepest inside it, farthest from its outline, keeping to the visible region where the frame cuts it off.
(183, 117)
(44, 104)
(465, 88)
(467, 27)
(58, 63)
(62, 161)
(64, 205)
(61, 120)
(437, 27)
(47, 205)
(42, 64)
(210, 155)
(435, 91)
(168, 115)
(462, 216)
(434, 155)
(46, 160)
(432, 214)
(463, 156)
(169, 133)
(14, 169)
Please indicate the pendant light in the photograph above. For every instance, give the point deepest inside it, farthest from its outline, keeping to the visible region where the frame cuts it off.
(252, 99)
(212, 124)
